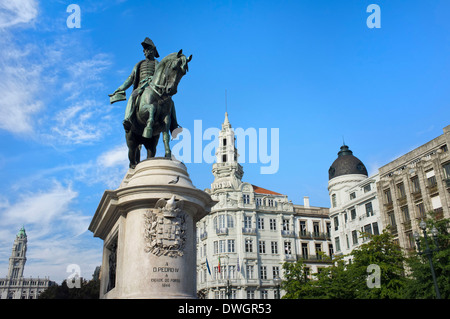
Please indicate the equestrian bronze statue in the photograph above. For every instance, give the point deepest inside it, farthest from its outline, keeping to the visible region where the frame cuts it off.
(150, 109)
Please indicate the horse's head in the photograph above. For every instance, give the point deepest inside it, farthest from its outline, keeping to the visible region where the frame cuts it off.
(170, 71)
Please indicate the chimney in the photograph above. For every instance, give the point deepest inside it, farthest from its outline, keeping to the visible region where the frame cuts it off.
(306, 201)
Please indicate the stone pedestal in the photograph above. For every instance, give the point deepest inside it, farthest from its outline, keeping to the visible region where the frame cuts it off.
(149, 234)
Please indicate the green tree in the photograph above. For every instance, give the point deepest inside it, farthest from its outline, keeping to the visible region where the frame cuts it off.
(385, 255)
(88, 290)
(420, 282)
(334, 282)
(296, 283)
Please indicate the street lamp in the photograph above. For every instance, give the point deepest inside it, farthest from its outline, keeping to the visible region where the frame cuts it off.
(428, 252)
(277, 283)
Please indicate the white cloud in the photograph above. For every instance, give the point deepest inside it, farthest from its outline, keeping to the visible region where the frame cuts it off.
(17, 12)
(118, 156)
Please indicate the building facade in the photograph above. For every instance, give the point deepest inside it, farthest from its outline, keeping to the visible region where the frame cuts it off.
(251, 231)
(413, 185)
(354, 212)
(15, 286)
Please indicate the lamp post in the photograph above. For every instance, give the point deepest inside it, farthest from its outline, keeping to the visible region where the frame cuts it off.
(277, 283)
(428, 252)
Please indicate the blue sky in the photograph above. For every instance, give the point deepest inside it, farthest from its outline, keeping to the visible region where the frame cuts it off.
(312, 69)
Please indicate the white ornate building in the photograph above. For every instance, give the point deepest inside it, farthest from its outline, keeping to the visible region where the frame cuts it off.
(15, 286)
(252, 231)
(354, 212)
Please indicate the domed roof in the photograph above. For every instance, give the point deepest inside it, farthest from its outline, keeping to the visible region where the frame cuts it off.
(346, 164)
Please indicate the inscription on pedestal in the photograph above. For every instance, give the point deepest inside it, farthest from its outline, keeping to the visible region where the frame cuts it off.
(163, 275)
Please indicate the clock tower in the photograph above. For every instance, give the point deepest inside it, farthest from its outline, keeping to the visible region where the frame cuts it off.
(227, 171)
(18, 259)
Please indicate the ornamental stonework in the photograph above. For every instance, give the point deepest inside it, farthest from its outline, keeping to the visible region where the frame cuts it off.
(165, 228)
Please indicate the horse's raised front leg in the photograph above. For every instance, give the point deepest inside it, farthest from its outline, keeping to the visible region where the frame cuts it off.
(148, 130)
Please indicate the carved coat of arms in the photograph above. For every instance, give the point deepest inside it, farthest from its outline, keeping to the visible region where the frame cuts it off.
(165, 228)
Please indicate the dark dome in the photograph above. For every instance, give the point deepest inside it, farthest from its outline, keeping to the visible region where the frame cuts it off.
(346, 164)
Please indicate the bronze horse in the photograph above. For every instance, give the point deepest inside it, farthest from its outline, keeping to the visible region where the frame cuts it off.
(155, 110)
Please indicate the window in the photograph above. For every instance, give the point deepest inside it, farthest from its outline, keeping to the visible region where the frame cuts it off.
(286, 224)
(270, 202)
(264, 294)
(447, 170)
(231, 246)
(224, 142)
(431, 178)
(333, 200)
(274, 247)
(248, 246)
(287, 248)
(260, 223)
(316, 227)
(305, 250)
(405, 213)
(262, 247)
(355, 237)
(369, 209)
(401, 190)
(224, 158)
(330, 249)
(336, 223)
(368, 229)
(249, 270)
(337, 244)
(353, 213)
(247, 221)
(250, 294)
(273, 224)
(222, 246)
(420, 210)
(388, 196)
(258, 201)
(246, 198)
(367, 188)
(375, 229)
(302, 227)
(263, 272)
(415, 184)
(318, 251)
(275, 271)
(352, 195)
(392, 219)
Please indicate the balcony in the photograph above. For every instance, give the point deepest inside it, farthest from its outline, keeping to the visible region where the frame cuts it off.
(389, 205)
(222, 231)
(203, 235)
(248, 231)
(320, 236)
(416, 195)
(314, 258)
(402, 200)
(287, 233)
(305, 234)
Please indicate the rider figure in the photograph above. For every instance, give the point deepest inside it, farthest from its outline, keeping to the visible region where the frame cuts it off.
(140, 77)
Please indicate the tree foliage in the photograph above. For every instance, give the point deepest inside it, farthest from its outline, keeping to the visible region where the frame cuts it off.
(88, 290)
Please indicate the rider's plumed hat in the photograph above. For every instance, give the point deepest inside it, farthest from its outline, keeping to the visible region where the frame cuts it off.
(149, 43)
